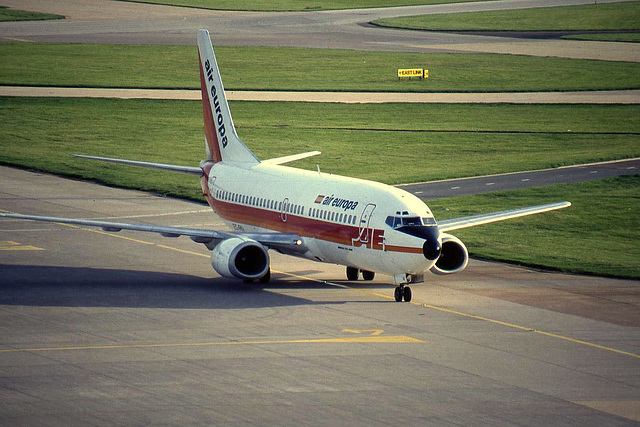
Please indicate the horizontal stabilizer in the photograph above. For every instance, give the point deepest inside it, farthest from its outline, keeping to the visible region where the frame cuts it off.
(291, 158)
(471, 221)
(163, 166)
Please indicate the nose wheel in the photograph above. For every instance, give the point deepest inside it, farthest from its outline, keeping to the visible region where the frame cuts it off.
(403, 292)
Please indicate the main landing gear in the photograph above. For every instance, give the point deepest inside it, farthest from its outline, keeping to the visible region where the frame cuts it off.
(401, 292)
(353, 274)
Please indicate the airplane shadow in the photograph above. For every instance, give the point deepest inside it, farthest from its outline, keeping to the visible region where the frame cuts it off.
(90, 287)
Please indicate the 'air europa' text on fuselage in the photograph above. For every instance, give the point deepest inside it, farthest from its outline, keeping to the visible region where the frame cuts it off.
(336, 202)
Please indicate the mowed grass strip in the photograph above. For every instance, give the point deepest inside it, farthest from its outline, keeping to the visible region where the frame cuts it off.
(598, 234)
(392, 143)
(611, 16)
(23, 15)
(294, 5)
(264, 68)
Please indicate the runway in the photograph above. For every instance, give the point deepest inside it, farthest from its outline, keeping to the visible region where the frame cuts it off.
(113, 328)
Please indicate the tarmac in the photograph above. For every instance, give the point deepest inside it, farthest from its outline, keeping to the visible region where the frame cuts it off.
(102, 328)
(105, 328)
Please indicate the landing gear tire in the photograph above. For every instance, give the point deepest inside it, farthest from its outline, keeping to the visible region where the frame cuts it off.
(407, 294)
(402, 292)
(398, 294)
(368, 275)
(266, 277)
(352, 274)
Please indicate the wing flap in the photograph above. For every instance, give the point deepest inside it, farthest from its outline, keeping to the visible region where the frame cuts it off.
(474, 220)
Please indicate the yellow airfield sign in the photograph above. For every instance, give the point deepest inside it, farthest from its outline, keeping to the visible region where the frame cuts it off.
(413, 72)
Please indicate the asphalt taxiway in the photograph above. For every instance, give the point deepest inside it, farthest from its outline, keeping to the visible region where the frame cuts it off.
(129, 328)
(526, 179)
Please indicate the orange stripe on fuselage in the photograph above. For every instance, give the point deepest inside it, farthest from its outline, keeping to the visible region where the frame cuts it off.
(209, 128)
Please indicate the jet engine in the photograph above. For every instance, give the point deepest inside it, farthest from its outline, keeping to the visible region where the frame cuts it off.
(240, 258)
(454, 256)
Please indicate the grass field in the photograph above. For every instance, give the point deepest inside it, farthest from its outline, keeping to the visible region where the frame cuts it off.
(598, 234)
(612, 16)
(22, 15)
(393, 143)
(295, 5)
(80, 65)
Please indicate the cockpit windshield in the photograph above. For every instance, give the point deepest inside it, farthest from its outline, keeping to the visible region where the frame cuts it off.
(397, 221)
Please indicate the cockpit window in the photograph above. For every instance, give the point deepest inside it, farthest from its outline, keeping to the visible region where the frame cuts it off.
(429, 221)
(395, 221)
(412, 221)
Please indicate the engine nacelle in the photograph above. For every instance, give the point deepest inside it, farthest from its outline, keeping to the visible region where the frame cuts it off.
(454, 256)
(240, 258)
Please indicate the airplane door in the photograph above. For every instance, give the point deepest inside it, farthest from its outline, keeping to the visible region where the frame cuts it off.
(284, 209)
(363, 224)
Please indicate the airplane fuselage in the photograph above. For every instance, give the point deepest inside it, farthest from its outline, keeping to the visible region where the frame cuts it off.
(341, 220)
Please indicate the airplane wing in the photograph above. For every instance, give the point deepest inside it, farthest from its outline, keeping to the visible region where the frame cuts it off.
(471, 221)
(285, 242)
(162, 166)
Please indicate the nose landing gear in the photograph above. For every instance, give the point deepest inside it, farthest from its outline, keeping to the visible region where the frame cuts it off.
(403, 292)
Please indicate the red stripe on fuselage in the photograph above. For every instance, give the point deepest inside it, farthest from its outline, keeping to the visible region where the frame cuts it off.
(209, 127)
(307, 227)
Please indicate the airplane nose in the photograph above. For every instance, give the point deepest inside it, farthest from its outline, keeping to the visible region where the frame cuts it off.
(431, 248)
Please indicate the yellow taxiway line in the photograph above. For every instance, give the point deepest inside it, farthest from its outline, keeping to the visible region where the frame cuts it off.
(367, 339)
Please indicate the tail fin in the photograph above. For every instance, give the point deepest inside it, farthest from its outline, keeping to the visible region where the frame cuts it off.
(223, 144)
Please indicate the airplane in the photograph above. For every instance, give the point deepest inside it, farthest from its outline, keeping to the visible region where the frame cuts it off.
(366, 226)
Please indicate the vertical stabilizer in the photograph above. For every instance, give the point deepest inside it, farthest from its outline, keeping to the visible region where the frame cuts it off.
(223, 143)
